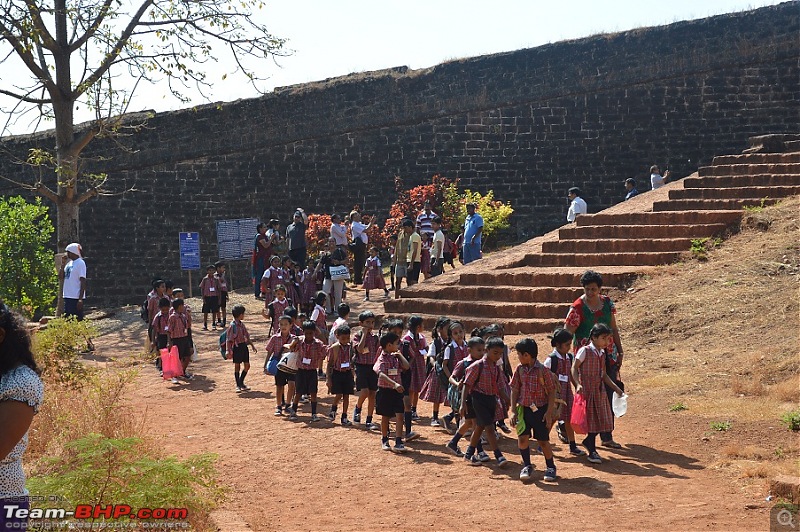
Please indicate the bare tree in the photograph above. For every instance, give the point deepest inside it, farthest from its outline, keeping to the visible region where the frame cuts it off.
(96, 53)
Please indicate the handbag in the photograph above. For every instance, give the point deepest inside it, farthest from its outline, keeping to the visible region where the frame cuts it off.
(289, 362)
(272, 366)
(171, 363)
(578, 417)
(195, 356)
(340, 273)
(521, 427)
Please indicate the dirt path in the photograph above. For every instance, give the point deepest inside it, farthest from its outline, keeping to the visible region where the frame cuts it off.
(301, 476)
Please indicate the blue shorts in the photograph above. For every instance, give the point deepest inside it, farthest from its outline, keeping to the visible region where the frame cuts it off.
(71, 309)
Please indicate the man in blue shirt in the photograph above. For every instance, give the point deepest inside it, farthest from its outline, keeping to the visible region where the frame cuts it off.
(630, 188)
(473, 227)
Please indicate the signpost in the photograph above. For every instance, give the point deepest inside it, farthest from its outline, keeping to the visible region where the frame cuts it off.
(189, 245)
(235, 239)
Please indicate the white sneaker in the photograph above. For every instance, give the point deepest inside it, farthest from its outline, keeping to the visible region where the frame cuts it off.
(412, 436)
(435, 423)
(525, 474)
(175, 380)
(483, 457)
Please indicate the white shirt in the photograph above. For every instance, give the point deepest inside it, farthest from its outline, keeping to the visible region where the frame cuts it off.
(548, 361)
(73, 272)
(332, 334)
(357, 230)
(438, 236)
(578, 206)
(656, 181)
(339, 234)
(23, 385)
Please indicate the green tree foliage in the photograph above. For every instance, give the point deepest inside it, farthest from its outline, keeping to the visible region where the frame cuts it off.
(28, 281)
(58, 347)
(496, 214)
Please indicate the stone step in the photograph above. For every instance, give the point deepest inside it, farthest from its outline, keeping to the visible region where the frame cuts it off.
(509, 294)
(618, 245)
(592, 260)
(792, 145)
(706, 204)
(756, 158)
(492, 309)
(753, 180)
(642, 231)
(511, 326)
(689, 217)
(550, 277)
(738, 169)
(735, 192)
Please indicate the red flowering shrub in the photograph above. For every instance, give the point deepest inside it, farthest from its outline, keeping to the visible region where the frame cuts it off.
(410, 202)
(318, 231)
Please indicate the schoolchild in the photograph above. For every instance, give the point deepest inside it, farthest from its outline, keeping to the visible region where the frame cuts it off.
(209, 287)
(308, 287)
(275, 308)
(434, 390)
(560, 363)
(290, 278)
(343, 311)
(160, 327)
(273, 276)
(483, 383)
(476, 349)
(396, 326)
(589, 374)
(373, 278)
(275, 349)
(237, 341)
(366, 348)
(339, 373)
(312, 353)
(415, 349)
(180, 325)
(456, 351)
(319, 317)
(533, 391)
(389, 400)
(224, 296)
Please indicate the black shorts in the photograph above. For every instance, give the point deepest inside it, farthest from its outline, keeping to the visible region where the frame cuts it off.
(482, 408)
(437, 267)
(71, 309)
(389, 402)
(184, 346)
(306, 382)
(161, 341)
(210, 304)
(282, 378)
(225, 297)
(535, 424)
(413, 272)
(342, 382)
(405, 380)
(241, 354)
(366, 378)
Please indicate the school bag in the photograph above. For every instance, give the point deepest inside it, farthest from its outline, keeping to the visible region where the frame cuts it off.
(143, 311)
(223, 339)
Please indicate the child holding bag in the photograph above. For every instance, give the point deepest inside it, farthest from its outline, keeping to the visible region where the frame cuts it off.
(236, 347)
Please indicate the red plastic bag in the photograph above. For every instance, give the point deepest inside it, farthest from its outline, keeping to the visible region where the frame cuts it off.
(578, 417)
(171, 363)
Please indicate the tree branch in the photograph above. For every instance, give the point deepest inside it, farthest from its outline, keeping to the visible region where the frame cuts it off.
(92, 29)
(26, 99)
(38, 187)
(86, 196)
(81, 142)
(47, 39)
(28, 59)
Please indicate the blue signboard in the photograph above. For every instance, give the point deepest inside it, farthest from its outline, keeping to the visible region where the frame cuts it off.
(189, 250)
(235, 238)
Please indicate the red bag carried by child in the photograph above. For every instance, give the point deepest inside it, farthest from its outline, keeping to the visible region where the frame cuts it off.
(171, 363)
(578, 417)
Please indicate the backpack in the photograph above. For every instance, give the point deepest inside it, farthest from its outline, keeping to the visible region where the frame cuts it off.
(143, 311)
(223, 340)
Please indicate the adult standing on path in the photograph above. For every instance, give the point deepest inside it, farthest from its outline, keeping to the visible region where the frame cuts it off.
(262, 251)
(425, 220)
(334, 256)
(296, 235)
(73, 275)
(591, 308)
(400, 257)
(360, 240)
(338, 231)
(473, 229)
(21, 393)
(656, 179)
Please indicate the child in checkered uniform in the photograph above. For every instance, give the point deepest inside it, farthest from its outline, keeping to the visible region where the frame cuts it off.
(589, 373)
(482, 385)
(339, 373)
(312, 353)
(560, 363)
(533, 388)
(476, 347)
(389, 401)
(366, 346)
(236, 341)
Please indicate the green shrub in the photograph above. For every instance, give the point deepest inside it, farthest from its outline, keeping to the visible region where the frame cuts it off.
(678, 407)
(720, 426)
(495, 214)
(58, 347)
(791, 419)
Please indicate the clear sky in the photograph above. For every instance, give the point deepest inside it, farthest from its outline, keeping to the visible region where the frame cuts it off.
(336, 37)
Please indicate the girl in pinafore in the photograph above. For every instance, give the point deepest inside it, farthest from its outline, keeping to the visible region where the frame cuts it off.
(589, 373)
(373, 279)
(417, 353)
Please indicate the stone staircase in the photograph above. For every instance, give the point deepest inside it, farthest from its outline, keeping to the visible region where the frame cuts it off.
(529, 288)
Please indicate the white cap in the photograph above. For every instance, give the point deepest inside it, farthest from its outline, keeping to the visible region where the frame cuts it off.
(74, 248)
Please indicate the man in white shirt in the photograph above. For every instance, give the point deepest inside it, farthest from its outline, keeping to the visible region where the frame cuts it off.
(73, 274)
(437, 249)
(577, 205)
(338, 231)
(359, 247)
(656, 179)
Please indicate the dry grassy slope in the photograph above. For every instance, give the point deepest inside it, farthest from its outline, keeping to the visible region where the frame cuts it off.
(721, 337)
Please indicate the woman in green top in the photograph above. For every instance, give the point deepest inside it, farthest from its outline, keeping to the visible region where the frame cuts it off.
(591, 308)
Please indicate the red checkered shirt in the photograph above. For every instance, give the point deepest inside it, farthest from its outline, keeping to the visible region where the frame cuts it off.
(341, 356)
(152, 306)
(237, 335)
(179, 324)
(276, 342)
(210, 287)
(373, 343)
(484, 377)
(313, 351)
(389, 365)
(160, 323)
(461, 368)
(533, 383)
